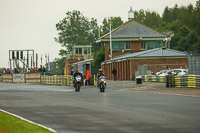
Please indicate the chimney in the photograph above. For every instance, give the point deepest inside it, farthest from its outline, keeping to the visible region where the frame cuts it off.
(130, 14)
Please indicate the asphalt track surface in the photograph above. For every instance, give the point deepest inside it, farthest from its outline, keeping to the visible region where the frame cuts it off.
(89, 111)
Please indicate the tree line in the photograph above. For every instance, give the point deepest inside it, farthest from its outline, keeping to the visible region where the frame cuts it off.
(184, 21)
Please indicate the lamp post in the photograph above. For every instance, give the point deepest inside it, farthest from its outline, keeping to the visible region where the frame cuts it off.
(46, 60)
(110, 42)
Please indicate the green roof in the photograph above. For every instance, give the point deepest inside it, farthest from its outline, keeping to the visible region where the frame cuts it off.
(157, 52)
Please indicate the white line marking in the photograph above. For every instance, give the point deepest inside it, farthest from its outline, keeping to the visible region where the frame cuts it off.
(50, 129)
(174, 94)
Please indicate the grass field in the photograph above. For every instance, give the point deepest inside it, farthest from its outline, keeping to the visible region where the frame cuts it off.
(11, 124)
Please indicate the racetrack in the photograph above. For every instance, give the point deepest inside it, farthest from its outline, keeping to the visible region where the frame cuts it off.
(117, 111)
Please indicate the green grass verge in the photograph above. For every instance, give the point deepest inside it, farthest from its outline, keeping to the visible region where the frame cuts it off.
(11, 124)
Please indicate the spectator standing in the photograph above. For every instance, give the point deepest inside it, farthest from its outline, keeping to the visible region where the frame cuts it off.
(87, 76)
(114, 71)
(72, 71)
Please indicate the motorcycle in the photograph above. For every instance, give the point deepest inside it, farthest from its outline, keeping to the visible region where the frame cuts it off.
(102, 83)
(77, 83)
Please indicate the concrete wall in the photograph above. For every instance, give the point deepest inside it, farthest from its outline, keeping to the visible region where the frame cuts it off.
(21, 78)
(7, 78)
(32, 78)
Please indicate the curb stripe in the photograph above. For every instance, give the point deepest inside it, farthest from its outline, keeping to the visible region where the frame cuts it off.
(50, 129)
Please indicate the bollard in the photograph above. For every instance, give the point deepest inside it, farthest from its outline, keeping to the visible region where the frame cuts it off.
(64, 79)
(145, 78)
(94, 79)
(71, 81)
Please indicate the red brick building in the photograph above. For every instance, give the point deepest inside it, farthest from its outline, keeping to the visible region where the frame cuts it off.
(155, 60)
(79, 53)
(133, 45)
(132, 37)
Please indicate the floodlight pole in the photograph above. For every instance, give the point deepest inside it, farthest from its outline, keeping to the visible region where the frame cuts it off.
(110, 42)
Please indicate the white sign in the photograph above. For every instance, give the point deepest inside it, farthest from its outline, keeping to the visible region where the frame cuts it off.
(18, 78)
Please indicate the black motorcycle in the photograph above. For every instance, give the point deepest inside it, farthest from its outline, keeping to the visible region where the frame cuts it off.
(77, 83)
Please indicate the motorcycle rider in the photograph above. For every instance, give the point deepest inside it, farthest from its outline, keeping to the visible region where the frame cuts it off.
(100, 73)
(77, 72)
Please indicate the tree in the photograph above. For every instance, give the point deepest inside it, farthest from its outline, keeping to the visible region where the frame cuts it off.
(139, 16)
(99, 56)
(196, 17)
(2, 71)
(75, 29)
(152, 19)
(166, 15)
(186, 39)
(57, 66)
(115, 22)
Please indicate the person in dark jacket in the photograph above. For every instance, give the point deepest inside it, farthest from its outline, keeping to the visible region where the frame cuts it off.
(114, 74)
(77, 72)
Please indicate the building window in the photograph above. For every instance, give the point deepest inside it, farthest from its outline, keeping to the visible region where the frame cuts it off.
(143, 45)
(80, 51)
(76, 50)
(88, 50)
(85, 51)
(127, 45)
(151, 44)
(118, 46)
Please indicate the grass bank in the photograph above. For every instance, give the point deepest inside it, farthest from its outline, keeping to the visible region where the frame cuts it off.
(11, 124)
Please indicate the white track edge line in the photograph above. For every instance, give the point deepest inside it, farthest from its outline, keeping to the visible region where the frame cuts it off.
(50, 129)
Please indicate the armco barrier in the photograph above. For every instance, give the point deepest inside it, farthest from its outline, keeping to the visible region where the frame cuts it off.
(186, 81)
(153, 78)
(190, 81)
(57, 80)
(69, 80)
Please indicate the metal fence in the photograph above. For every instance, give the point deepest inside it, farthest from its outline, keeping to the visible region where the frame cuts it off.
(194, 63)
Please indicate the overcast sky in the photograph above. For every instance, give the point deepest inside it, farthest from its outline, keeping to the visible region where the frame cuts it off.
(30, 24)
